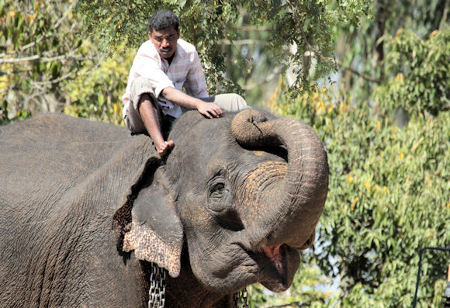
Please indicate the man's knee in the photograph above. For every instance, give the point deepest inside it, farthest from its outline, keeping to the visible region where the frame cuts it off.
(140, 86)
(148, 98)
(142, 83)
(239, 101)
(134, 121)
(231, 102)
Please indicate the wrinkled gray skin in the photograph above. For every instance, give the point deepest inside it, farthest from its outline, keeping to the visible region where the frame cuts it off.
(84, 208)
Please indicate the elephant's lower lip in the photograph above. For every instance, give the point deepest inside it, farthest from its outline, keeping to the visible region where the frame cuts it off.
(272, 271)
(275, 255)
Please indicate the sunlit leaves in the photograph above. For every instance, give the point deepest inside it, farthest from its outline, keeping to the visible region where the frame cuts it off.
(207, 24)
(388, 197)
(39, 49)
(97, 95)
(420, 66)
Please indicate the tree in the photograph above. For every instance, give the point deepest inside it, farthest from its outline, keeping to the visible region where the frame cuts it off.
(421, 69)
(388, 198)
(208, 24)
(389, 181)
(39, 49)
(361, 50)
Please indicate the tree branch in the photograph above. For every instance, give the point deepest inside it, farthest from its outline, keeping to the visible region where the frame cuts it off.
(59, 79)
(295, 304)
(252, 28)
(41, 38)
(242, 42)
(18, 60)
(444, 16)
(53, 81)
(3, 73)
(327, 59)
(42, 59)
(346, 68)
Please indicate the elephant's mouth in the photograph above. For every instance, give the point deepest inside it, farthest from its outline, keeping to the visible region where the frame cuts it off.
(276, 266)
(277, 257)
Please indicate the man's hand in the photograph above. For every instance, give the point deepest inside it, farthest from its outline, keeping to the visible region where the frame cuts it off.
(210, 110)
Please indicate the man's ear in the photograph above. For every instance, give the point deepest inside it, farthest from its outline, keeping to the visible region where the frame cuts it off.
(149, 220)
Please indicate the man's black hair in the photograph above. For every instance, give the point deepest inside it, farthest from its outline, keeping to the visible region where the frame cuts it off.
(163, 19)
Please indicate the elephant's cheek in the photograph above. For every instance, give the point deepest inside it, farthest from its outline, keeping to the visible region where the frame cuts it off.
(204, 262)
(208, 273)
(225, 271)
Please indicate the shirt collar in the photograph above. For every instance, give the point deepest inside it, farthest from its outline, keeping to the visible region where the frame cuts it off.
(177, 55)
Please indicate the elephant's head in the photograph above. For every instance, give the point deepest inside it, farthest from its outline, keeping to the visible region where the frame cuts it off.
(243, 193)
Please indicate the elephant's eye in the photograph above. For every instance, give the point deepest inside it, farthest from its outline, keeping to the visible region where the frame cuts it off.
(219, 202)
(217, 195)
(217, 191)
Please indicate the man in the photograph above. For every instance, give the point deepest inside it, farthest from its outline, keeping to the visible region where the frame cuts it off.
(163, 66)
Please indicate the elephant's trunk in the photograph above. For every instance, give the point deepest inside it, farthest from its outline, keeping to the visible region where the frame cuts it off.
(287, 202)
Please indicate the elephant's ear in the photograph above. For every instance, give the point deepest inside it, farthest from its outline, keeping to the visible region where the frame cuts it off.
(152, 229)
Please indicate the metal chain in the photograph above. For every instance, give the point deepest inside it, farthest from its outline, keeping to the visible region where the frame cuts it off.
(156, 294)
(241, 297)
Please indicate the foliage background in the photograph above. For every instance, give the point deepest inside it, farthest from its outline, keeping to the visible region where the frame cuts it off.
(370, 76)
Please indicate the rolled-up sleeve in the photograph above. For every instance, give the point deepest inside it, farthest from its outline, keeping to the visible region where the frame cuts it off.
(195, 84)
(148, 67)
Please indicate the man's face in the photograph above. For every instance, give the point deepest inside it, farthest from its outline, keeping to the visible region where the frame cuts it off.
(165, 41)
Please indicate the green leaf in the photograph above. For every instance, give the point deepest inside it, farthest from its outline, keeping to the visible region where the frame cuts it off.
(100, 99)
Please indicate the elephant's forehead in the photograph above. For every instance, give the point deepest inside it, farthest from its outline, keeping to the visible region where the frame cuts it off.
(198, 144)
(204, 146)
(264, 174)
(192, 125)
(232, 157)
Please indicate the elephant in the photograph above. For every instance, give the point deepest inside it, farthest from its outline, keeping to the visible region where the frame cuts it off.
(88, 211)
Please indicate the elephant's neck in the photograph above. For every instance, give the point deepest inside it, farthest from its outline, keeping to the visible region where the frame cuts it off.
(187, 291)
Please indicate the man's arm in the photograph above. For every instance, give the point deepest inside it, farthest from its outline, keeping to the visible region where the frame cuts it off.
(195, 83)
(210, 110)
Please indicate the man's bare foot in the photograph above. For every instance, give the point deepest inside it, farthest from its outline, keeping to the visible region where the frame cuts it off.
(164, 148)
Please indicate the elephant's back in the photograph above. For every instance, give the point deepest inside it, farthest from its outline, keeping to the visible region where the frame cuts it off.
(44, 157)
(61, 178)
(57, 146)
(53, 151)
